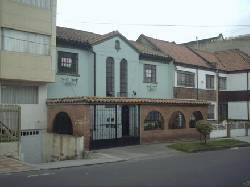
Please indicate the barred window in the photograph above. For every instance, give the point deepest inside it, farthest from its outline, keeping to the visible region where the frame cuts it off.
(210, 81)
(15, 94)
(222, 83)
(185, 78)
(154, 120)
(110, 76)
(177, 121)
(149, 73)
(210, 112)
(67, 63)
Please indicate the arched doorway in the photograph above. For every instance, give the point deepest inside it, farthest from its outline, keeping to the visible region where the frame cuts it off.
(62, 124)
(195, 116)
(177, 121)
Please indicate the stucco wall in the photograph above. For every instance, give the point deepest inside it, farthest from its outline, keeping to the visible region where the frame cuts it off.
(237, 110)
(107, 49)
(84, 85)
(237, 82)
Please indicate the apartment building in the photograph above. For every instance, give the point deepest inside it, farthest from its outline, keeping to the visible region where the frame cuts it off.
(27, 56)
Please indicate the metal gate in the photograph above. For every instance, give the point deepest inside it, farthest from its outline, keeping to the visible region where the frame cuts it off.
(114, 125)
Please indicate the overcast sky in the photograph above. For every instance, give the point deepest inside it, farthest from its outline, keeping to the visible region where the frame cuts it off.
(201, 18)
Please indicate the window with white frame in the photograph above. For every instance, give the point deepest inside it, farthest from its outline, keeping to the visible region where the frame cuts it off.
(210, 81)
(25, 42)
(15, 94)
(222, 83)
(185, 78)
(149, 73)
(46, 4)
(210, 112)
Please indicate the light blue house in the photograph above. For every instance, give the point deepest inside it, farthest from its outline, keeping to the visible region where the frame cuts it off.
(89, 64)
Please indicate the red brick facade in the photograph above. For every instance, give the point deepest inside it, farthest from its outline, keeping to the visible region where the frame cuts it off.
(81, 116)
(166, 134)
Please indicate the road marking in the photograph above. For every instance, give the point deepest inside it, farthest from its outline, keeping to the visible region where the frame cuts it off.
(42, 174)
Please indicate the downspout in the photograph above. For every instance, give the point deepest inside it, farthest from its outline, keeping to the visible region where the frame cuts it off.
(248, 95)
(217, 93)
(197, 82)
(94, 71)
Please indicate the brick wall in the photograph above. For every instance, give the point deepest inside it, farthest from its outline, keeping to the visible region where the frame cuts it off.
(191, 93)
(80, 116)
(166, 134)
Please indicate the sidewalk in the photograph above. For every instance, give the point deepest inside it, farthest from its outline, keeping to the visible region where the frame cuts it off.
(118, 154)
(12, 165)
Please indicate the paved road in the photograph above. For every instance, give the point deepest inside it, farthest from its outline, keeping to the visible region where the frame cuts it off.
(218, 168)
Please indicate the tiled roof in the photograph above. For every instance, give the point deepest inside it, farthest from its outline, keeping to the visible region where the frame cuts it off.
(180, 53)
(148, 51)
(233, 60)
(73, 35)
(211, 58)
(123, 100)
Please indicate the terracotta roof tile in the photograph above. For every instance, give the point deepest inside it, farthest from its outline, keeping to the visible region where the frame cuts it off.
(143, 49)
(233, 60)
(122, 100)
(180, 53)
(69, 34)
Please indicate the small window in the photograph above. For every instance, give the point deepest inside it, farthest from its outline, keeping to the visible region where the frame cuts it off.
(67, 63)
(210, 112)
(185, 78)
(210, 81)
(154, 120)
(117, 45)
(222, 83)
(149, 73)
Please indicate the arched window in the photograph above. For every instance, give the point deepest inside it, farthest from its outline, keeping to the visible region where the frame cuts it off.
(177, 121)
(124, 78)
(195, 116)
(110, 75)
(154, 120)
(62, 124)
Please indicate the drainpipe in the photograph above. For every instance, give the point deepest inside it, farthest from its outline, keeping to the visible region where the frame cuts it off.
(197, 82)
(94, 71)
(217, 93)
(248, 96)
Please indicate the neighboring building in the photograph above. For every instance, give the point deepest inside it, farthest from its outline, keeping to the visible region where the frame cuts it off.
(27, 56)
(220, 43)
(194, 77)
(220, 78)
(233, 71)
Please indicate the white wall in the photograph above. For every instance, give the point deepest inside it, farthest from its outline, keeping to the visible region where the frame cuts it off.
(237, 110)
(237, 82)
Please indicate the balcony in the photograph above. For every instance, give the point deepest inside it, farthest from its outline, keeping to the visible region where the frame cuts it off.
(20, 16)
(27, 67)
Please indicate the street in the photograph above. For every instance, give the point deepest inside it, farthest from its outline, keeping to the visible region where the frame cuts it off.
(216, 168)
